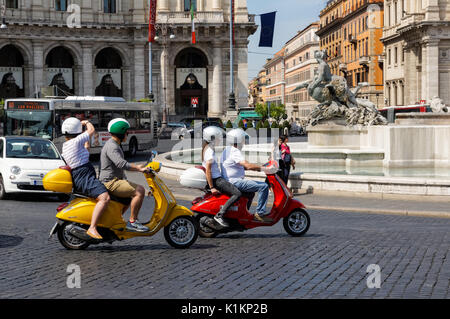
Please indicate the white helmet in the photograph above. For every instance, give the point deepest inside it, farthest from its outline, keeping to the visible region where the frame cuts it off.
(236, 136)
(72, 126)
(213, 134)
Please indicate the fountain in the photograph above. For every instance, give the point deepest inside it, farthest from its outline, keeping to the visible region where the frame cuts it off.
(351, 147)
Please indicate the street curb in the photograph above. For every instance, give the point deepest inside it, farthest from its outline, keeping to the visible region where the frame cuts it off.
(410, 213)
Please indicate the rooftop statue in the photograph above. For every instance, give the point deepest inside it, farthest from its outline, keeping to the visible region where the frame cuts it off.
(336, 100)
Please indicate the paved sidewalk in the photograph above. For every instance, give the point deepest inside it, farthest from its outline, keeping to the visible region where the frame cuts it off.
(344, 201)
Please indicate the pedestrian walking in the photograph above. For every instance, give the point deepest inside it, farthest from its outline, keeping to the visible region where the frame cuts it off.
(286, 158)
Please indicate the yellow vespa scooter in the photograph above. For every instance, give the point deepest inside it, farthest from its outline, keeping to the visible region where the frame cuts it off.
(74, 218)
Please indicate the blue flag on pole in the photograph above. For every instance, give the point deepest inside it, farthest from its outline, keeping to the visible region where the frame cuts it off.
(267, 29)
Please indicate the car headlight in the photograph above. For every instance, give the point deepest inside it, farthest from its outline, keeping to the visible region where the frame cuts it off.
(15, 170)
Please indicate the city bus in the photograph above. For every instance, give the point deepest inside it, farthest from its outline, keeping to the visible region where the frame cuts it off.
(43, 118)
(390, 112)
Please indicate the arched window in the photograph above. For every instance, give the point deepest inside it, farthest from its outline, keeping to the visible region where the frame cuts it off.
(187, 5)
(13, 4)
(109, 6)
(61, 5)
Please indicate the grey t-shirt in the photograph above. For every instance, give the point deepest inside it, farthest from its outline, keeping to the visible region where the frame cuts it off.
(112, 162)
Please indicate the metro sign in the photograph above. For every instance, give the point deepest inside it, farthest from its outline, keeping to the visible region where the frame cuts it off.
(194, 101)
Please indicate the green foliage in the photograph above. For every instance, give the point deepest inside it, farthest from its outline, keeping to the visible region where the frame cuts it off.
(261, 109)
(249, 124)
(259, 125)
(266, 124)
(277, 112)
(229, 124)
(241, 124)
(275, 125)
(286, 124)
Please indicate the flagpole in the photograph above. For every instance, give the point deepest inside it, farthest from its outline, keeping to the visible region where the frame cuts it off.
(232, 98)
(150, 59)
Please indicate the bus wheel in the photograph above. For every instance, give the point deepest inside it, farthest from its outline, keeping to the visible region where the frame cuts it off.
(133, 148)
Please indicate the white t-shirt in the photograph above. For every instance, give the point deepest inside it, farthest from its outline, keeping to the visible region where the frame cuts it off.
(231, 168)
(74, 152)
(210, 156)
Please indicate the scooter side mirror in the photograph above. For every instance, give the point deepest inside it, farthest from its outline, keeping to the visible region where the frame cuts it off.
(152, 156)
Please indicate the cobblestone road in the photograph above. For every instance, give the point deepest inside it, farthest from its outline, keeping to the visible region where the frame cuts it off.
(329, 262)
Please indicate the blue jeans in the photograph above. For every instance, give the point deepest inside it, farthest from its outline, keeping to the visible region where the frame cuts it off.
(249, 186)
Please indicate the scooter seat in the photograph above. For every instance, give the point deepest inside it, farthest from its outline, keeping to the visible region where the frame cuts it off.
(123, 201)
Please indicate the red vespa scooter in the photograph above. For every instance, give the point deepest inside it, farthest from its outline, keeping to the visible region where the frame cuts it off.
(296, 220)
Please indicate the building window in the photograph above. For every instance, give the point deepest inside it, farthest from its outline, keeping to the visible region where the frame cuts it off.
(109, 6)
(61, 5)
(12, 4)
(187, 5)
(396, 55)
(389, 57)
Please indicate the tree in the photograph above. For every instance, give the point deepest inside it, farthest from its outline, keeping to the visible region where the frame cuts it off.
(278, 112)
(262, 110)
(266, 124)
(229, 124)
(259, 125)
(241, 124)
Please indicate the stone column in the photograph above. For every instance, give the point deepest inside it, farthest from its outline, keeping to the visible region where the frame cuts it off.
(164, 5)
(216, 5)
(126, 81)
(201, 5)
(431, 70)
(88, 75)
(38, 66)
(216, 107)
(139, 71)
(180, 5)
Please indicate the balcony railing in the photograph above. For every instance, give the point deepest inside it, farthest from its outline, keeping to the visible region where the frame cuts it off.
(364, 60)
(185, 17)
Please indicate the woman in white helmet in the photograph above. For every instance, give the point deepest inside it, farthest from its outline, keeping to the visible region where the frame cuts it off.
(76, 154)
(212, 136)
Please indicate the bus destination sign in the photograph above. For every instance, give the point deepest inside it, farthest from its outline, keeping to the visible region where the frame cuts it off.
(28, 105)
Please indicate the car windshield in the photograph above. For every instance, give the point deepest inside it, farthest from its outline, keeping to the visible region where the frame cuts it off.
(28, 148)
(29, 123)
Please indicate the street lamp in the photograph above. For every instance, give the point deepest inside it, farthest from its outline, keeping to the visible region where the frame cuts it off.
(164, 33)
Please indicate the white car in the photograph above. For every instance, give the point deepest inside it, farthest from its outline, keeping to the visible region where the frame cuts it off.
(24, 161)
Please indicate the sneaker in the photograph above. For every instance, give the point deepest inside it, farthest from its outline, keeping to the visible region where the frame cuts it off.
(262, 219)
(137, 226)
(220, 221)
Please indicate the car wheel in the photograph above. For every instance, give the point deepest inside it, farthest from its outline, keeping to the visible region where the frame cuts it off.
(3, 194)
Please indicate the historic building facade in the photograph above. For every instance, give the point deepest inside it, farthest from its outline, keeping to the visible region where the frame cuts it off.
(108, 54)
(300, 67)
(417, 51)
(275, 79)
(350, 32)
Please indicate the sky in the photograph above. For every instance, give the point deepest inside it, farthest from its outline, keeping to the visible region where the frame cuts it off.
(292, 16)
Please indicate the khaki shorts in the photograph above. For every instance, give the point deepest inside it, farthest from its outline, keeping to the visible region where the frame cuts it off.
(121, 188)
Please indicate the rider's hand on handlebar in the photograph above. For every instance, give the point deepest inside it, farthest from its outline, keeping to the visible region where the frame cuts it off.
(214, 191)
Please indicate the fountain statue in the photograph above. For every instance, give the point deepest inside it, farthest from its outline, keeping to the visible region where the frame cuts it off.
(336, 100)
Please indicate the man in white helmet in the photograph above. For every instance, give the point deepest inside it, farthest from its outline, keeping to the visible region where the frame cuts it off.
(234, 165)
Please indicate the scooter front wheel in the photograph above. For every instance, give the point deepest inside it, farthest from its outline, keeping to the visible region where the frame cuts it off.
(68, 240)
(297, 222)
(182, 232)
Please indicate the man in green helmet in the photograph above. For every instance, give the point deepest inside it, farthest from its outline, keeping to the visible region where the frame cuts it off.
(112, 167)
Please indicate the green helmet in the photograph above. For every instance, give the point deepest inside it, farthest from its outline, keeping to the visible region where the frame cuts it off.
(118, 126)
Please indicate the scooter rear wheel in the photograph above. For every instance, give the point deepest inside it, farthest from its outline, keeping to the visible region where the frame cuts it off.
(205, 231)
(297, 222)
(182, 232)
(68, 241)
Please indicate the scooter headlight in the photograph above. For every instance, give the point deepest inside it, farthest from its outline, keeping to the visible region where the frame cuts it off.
(15, 170)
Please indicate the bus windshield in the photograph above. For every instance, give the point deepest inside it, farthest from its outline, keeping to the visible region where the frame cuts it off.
(29, 123)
